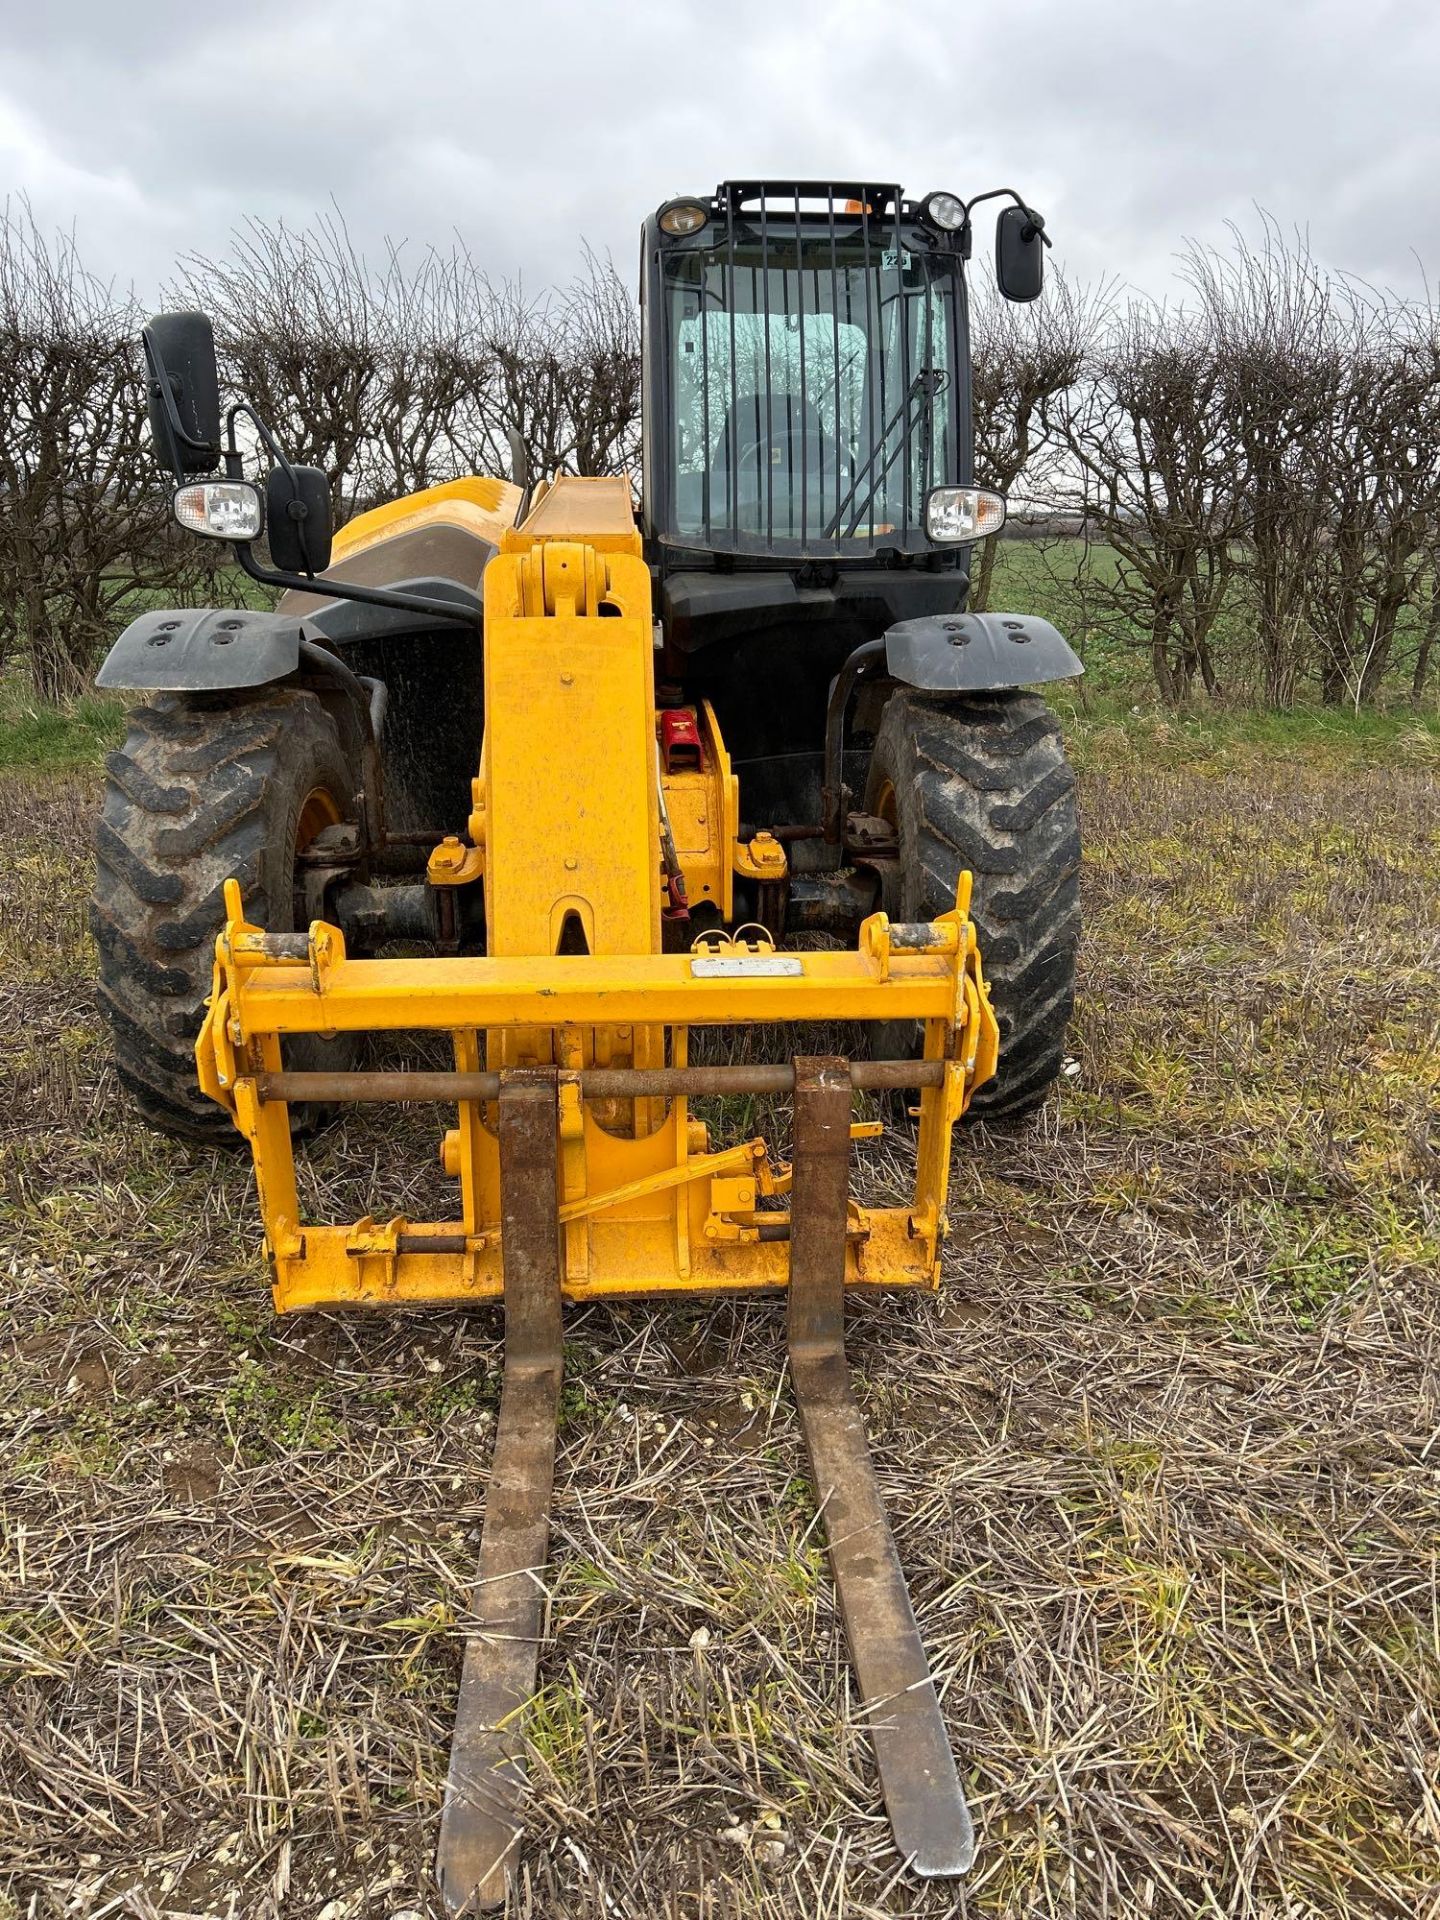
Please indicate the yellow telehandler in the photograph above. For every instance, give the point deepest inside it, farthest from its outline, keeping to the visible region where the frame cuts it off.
(606, 770)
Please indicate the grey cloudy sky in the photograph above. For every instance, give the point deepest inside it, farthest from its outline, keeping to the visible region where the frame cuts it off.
(154, 126)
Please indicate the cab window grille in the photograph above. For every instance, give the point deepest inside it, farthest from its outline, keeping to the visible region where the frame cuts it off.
(811, 368)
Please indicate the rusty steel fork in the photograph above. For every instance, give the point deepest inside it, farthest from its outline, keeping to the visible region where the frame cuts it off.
(900, 1709)
(480, 1825)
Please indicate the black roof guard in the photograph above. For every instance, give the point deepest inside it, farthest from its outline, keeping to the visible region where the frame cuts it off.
(822, 194)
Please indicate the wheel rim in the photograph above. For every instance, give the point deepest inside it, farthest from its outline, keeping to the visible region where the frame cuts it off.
(317, 811)
(886, 807)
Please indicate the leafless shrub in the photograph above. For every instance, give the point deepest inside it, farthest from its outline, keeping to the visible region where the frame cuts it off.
(1271, 313)
(399, 376)
(298, 332)
(562, 371)
(423, 372)
(1334, 389)
(82, 526)
(1384, 493)
(1023, 359)
(1153, 451)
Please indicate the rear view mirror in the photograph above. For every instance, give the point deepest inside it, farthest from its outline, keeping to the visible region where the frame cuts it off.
(183, 391)
(1019, 253)
(297, 516)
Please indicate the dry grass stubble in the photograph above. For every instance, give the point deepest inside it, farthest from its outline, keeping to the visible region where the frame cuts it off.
(1162, 1457)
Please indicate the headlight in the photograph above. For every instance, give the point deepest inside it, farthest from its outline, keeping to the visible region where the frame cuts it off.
(945, 210)
(682, 217)
(954, 514)
(221, 509)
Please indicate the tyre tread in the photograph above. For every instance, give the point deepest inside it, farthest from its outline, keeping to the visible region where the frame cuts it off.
(988, 787)
(185, 807)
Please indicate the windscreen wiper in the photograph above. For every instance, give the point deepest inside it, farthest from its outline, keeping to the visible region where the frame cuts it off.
(927, 383)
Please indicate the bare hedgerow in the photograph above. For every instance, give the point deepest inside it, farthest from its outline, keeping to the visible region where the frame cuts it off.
(83, 525)
(560, 371)
(1023, 359)
(298, 333)
(1334, 387)
(1271, 313)
(416, 371)
(1154, 457)
(1256, 473)
(1384, 493)
(422, 377)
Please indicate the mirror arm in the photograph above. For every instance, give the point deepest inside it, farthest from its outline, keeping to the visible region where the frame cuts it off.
(271, 444)
(1037, 221)
(344, 590)
(309, 582)
(278, 455)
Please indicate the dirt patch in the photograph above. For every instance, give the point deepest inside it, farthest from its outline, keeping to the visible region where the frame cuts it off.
(193, 1477)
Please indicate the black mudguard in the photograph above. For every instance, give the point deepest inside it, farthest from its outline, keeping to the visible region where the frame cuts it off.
(202, 650)
(216, 649)
(978, 652)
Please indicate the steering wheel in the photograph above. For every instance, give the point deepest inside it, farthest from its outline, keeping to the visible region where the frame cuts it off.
(816, 450)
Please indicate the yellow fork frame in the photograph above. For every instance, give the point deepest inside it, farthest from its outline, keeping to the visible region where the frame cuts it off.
(651, 1212)
(564, 828)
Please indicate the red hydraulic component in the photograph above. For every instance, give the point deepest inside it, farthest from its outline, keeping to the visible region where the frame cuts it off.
(680, 748)
(679, 907)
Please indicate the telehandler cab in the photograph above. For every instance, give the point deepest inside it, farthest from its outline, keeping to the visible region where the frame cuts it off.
(606, 771)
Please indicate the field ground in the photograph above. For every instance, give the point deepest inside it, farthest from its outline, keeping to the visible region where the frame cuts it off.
(1162, 1453)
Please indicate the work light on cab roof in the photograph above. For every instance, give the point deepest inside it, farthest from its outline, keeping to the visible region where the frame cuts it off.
(682, 217)
(945, 210)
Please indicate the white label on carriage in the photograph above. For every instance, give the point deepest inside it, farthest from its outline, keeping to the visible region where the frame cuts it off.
(729, 966)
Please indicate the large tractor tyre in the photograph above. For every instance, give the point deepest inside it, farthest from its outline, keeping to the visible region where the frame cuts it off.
(982, 782)
(200, 792)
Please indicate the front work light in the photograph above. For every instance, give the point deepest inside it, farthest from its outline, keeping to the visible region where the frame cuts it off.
(682, 217)
(221, 509)
(955, 514)
(945, 210)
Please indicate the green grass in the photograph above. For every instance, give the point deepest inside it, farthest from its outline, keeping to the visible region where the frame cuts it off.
(34, 735)
(1109, 727)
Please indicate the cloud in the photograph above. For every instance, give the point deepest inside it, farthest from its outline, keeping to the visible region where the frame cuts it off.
(155, 129)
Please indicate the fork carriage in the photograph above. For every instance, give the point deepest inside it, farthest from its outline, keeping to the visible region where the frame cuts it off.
(643, 1205)
(580, 1182)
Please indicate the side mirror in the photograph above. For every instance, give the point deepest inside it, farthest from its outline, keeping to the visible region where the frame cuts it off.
(297, 516)
(1020, 253)
(183, 391)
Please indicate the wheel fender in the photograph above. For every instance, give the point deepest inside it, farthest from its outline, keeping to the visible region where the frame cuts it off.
(202, 650)
(978, 652)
